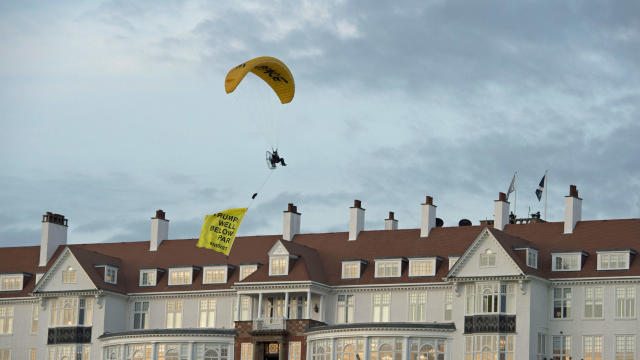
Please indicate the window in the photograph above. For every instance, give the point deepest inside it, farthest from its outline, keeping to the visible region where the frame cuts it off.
(532, 258)
(562, 347)
(488, 259)
(351, 270)
(592, 347)
(85, 311)
(453, 260)
(6, 320)
(565, 262)
(613, 260)
(215, 275)
(448, 305)
(626, 302)
(207, 313)
(427, 349)
(34, 318)
(625, 347)
(299, 305)
(542, 346)
(69, 276)
(350, 348)
(381, 304)
(71, 312)
(139, 351)
(5, 354)
(148, 277)
(489, 347)
(246, 351)
(210, 351)
(294, 350)
(32, 354)
(174, 314)
(180, 276)
(69, 352)
(418, 306)
(561, 303)
(321, 349)
(278, 266)
(593, 302)
(11, 282)
(385, 348)
(111, 275)
(141, 315)
(246, 270)
(422, 267)
(470, 293)
(388, 268)
(174, 351)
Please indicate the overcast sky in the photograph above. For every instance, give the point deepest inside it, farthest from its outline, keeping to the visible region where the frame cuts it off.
(113, 109)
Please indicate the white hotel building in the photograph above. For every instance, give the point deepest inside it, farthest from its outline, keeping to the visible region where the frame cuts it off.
(500, 290)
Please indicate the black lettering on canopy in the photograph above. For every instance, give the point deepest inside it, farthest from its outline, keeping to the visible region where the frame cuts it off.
(274, 75)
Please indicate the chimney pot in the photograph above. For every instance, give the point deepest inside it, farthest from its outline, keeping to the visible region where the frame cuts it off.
(391, 223)
(160, 214)
(429, 200)
(428, 217)
(502, 196)
(391, 215)
(573, 191)
(291, 222)
(290, 207)
(357, 204)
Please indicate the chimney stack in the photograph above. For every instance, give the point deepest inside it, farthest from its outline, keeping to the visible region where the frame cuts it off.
(501, 215)
(291, 225)
(428, 218)
(159, 230)
(572, 210)
(356, 220)
(54, 234)
(391, 223)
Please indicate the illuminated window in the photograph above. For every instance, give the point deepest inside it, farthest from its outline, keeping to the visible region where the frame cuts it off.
(278, 265)
(294, 350)
(592, 347)
(180, 276)
(562, 347)
(488, 259)
(6, 320)
(246, 270)
(593, 302)
(418, 306)
(422, 267)
(207, 313)
(381, 304)
(11, 282)
(215, 275)
(111, 275)
(626, 302)
(174, 314)
(351, 270)
(246, 351)
(625, 347)
(69, 276)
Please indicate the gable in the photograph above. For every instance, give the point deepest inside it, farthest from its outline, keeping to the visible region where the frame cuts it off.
(278, 249)
(53, 280)
(469, 264)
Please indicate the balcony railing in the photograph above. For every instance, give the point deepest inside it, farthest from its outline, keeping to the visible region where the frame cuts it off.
(273, 323)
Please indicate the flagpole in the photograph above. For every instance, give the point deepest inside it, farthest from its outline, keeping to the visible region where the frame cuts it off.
(546, 190)
(515, 199)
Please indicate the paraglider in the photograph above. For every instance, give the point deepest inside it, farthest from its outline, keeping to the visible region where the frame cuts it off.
(273, 71)
(273, 159)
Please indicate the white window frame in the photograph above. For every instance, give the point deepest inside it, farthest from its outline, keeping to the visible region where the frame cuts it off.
(453, 260)
(625, 347)
(143, 313)
(532, 258)
(542, 346)
(174, 314)
(625, 302)
(566, 303)
(486, 346)
(187, 277)
(207, 313)
(246, 351)
(488, 259)
(415, 266)
(417, 306)
(448, 305)
(5, 354)
(605, 257)
(568, 259)
(592, 347)
(210, 274)
(593, 302)
(111, 275)
(564, 348)
(69, 275)
(281, 269)
(11, 282)
(246, 270)
(6, 319)
(35, 316)
(383, 266)
(151, 277)
(351, 269)
(381, 307)
(345, 308)
(295, 350)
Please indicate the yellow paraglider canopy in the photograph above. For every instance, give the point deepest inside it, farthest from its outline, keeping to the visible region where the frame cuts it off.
(273, 71)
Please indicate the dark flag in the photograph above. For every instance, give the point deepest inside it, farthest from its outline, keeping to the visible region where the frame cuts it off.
(540, 188)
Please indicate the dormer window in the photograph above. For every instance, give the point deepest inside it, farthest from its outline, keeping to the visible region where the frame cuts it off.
(148, 277)
(180, 276)
(532, 258)
(388, 268)
(567, 261)
(351, 269)
(11, 282)
(246, 270)
(488, 259)
(422, 266)
(69, 276)
(278, 265)
(453, 260)
(614, 259)
(215, 274)
(111, 275)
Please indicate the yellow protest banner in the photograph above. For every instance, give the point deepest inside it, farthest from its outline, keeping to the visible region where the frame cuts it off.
(219, 230)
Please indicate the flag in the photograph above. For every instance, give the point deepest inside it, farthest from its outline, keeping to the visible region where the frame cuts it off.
(512, 187)
(219, 230)
(540, 188)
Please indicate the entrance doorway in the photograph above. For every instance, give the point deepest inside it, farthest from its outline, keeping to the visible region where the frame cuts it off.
(271, 351)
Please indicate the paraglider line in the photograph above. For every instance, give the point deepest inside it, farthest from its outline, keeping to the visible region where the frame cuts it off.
(255, 195)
